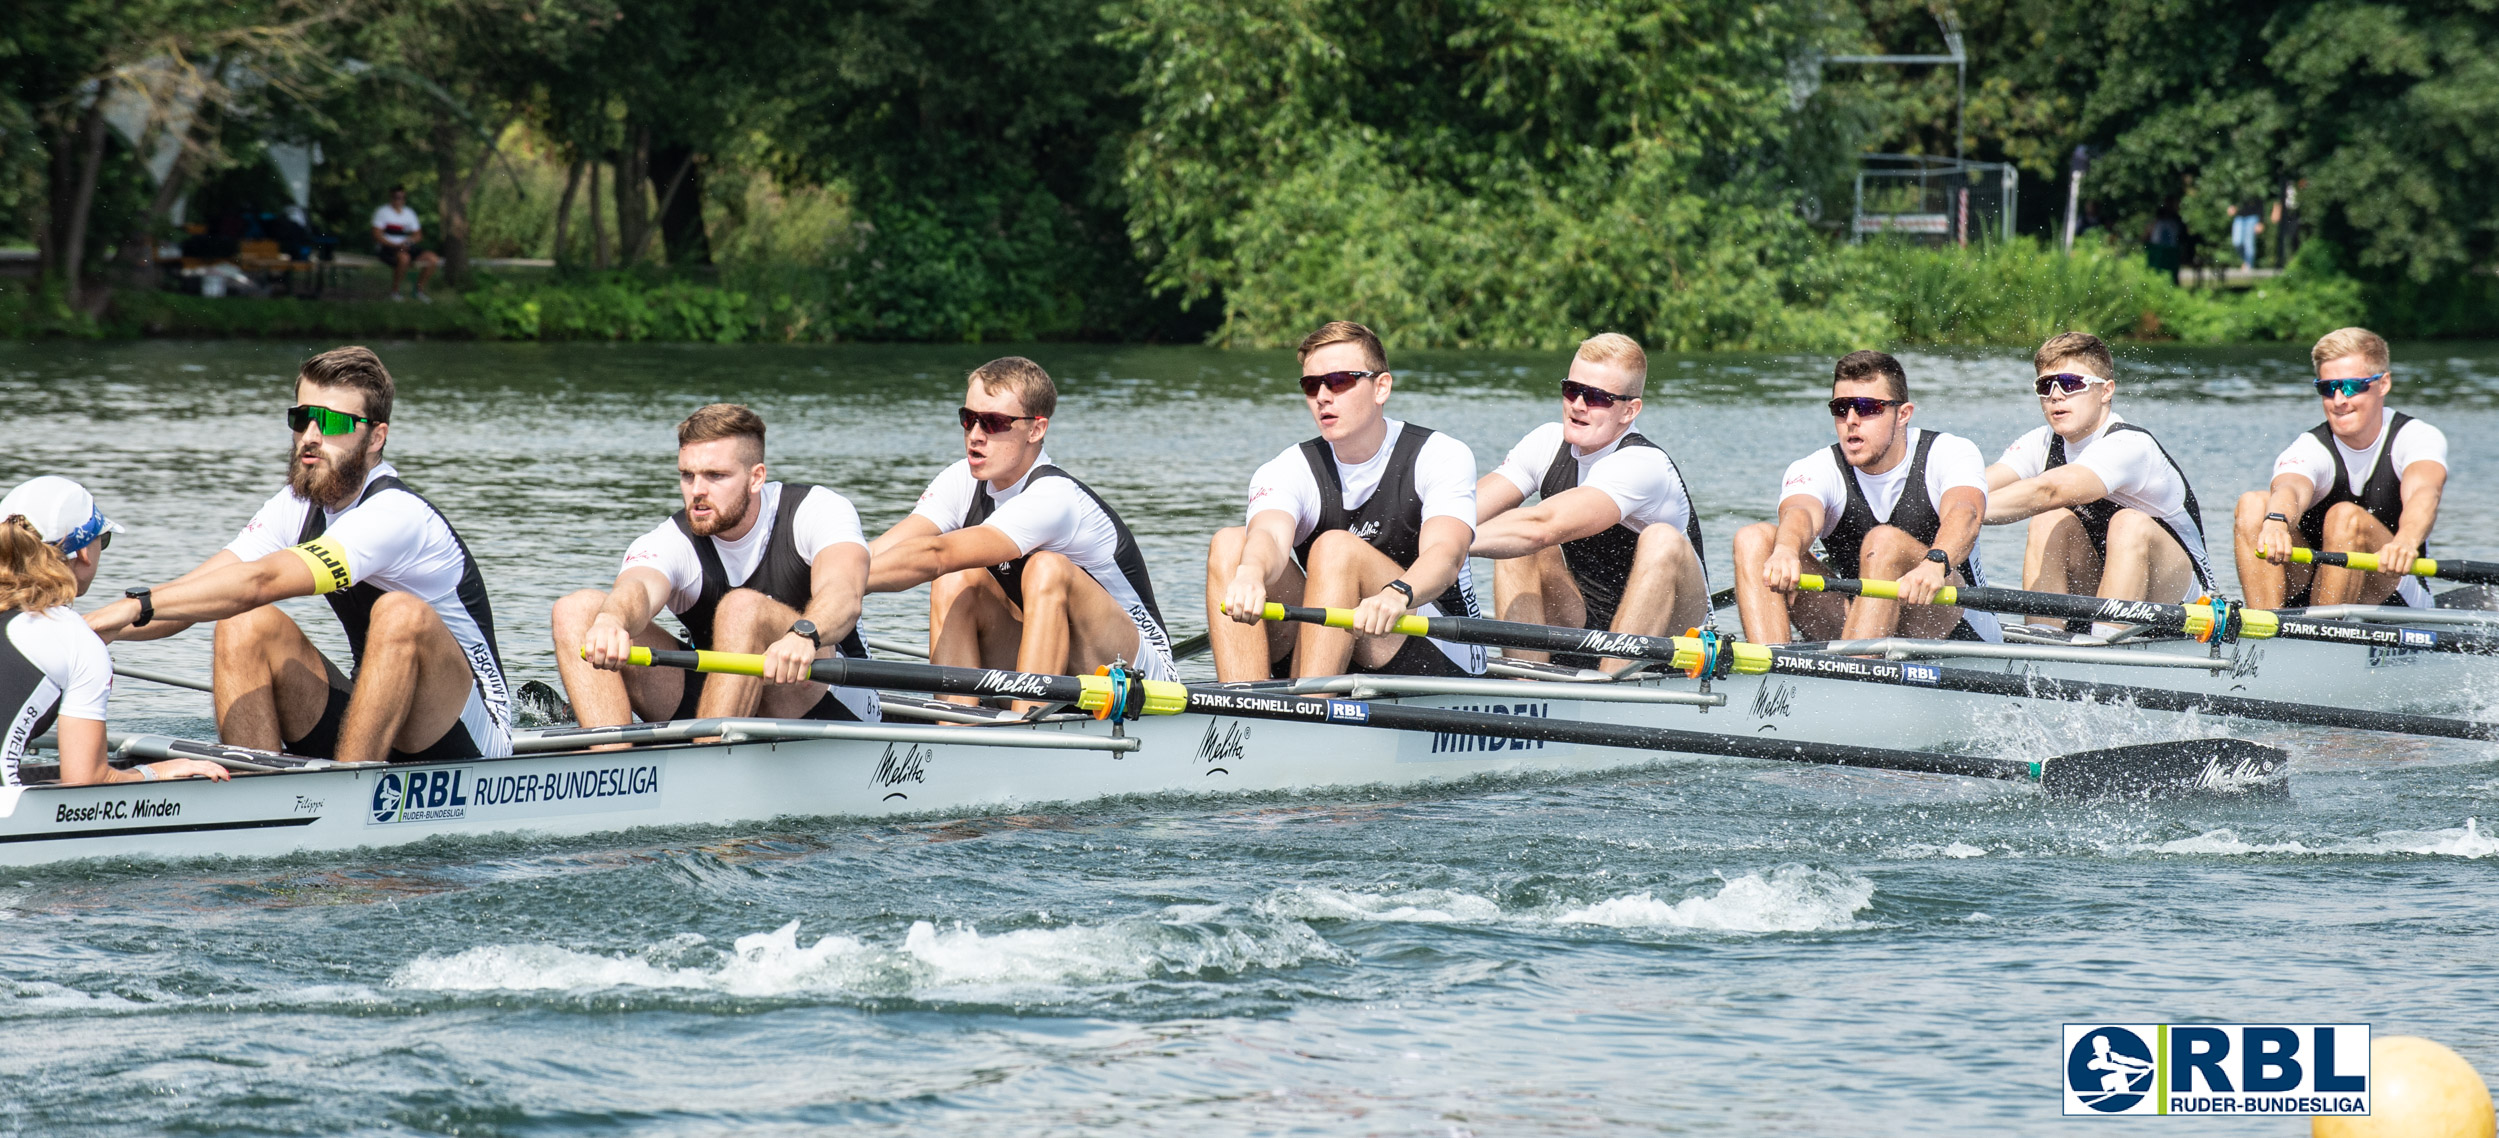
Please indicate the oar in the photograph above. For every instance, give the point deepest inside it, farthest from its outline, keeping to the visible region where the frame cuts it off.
(2469, 572)
(1756, 658)
(153, 676)
(2195, 620)
(2188, 766)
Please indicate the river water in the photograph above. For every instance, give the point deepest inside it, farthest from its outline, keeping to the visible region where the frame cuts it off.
(1700, 948)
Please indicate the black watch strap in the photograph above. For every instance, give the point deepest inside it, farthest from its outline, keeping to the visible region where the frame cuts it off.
(807, 628)
(147, 603)
(1402, 587)
(2277, 518)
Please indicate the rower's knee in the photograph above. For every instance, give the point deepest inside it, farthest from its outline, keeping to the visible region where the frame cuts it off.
(1335, 549)
(1889, 551)
(254, 632)
(1223, 553)
(742, 622)
(2133, 526)
(2346, 526)
(2250, 515)
(574, 612)
(399, 616)
(1047, 575)
(1665, 544)
(1753, 542)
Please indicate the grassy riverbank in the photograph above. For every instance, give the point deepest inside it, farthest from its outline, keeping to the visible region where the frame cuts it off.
(2010, 295)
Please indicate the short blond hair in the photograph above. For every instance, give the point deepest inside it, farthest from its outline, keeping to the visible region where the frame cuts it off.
(1620, 352)
(2080, 347)
(724, 421)
(1374, 356)
(2343, 342)
(1032, 386)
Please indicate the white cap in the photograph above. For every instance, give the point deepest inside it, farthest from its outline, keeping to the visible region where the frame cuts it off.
(60, 509)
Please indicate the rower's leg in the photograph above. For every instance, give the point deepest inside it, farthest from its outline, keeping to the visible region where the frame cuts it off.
(269, 683)
(1772, 617)
(1888, 553)
(610, 699)
(748, 621)
(2058, 558)
(1666, 593)
(1537, 589)
(2262, 584)
(1246, 651)
(2351, 529)
(971, 623)
(1344, 569)
(411, 685)
(1072, 624)
(2145, 563)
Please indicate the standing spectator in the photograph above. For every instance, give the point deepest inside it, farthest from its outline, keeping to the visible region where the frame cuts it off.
(2244, 226)
(2164, 243)
(397, 241)
(2286, 221)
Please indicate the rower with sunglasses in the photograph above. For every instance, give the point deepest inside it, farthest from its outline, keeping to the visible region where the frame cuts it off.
(1614, 543)
(1374, 515)
(429, 681)
(2110, 513)
(1887, 501)
(2367, 480)
(1028, 568)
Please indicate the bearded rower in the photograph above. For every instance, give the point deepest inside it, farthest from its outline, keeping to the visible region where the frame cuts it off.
(1888, 501)
(1614, 543)
(1374, 515)
(2110, 513)
(749, 565)
(2367, 480)
(1029, 568)
(429, 680)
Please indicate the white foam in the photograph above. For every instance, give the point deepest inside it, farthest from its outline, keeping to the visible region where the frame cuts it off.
(1420, 906)
(2466, 841)
(1789, 899)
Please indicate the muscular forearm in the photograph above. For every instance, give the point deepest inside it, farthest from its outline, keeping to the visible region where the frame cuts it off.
(1515, 534)
(1435, 568)
(1957, 536)
(1796, 531)
(904, 565)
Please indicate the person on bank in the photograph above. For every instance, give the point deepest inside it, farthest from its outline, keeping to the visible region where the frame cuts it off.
(1028, 568)
(54, 672)
(1374, 515)
(428, 683)
(1614, 542)
(2367, 480)
(2110, 512)
(399, 240)
(1889, 502)
(749, 565)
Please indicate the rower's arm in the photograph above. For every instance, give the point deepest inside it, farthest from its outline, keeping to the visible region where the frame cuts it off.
(839, 577)
(2423, 482)
(1800, 521)
(915, 561)
(1438, 558)
(1575, 513)
(1963, 509)
(2290, 495)
(1268, 546)
(160, 627)
(637, 597)
(236, 588)
(82, 747)
(911, 528)
(2069, 485)
(1494, 495)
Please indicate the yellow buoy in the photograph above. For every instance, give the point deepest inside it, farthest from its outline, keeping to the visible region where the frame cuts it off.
(2417, 1089)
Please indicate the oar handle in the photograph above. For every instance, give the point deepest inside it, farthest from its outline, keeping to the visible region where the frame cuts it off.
(2195, 620)
(1688, 653)
(2361, 562)
(1095, 694)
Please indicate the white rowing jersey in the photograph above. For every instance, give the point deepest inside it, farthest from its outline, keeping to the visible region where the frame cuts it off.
(52, 666)
(2139, 475)
(1909, 497)
(1049, 511)
(2372, 478)
(1641, 480)
(824, 519)
(389, 540)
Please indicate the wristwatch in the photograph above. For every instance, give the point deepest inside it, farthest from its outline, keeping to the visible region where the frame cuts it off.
(2277, 518)
(807, 628)
(1402, 587)
(147, 603)
(1940, 558)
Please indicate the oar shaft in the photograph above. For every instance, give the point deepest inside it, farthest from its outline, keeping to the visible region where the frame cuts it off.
(2195, 620)
(2468, 572)
(1681, 651)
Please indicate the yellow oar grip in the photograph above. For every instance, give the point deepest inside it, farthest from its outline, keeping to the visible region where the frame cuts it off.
(1344, 618)
(1162, 697)
(1809, 582)
(2303, 556)
(1750, 659)
(2367, 562)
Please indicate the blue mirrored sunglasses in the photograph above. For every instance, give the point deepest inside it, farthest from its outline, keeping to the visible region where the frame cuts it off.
(2347, 388)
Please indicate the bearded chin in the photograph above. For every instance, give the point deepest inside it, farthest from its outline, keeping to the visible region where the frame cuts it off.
(329, 485)
(720, 520)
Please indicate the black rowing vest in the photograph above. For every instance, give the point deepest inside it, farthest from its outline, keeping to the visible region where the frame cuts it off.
(1601, 561)
(354, 604)
(782, 574)
(1391, 520)
(20, 679)
(1124, 555)
(2382, 495)
(1914, 514)
(2096, 515)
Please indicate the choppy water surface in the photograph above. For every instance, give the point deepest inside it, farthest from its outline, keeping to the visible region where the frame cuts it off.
(1703, 947)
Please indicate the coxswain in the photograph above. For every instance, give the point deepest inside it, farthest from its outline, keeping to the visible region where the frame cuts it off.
(1027, 567)
(1888, 501)
(1613, 542)
(2110, 513)
(428, 682)
(750, 565)
(1374, 515)
(2367, 480)
(54, 672)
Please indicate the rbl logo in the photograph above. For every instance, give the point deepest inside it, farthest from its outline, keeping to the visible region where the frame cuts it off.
(2217, 1068)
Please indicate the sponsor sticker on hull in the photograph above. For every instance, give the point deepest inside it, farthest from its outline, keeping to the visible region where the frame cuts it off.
(493, 792)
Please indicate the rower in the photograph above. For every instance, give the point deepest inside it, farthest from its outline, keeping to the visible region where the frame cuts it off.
(429, 681)
(1374, 515)
(2367, 480)
(1028, 568)
(749, 565)
(2111, 514)
(54, 671)
(1888, 501)
(1614, 542)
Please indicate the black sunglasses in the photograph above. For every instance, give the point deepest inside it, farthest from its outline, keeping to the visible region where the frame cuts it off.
(1595, 397)
(1866, 406)
(2066, 382)
(303, 415)
(1336, 381)
(993, 422)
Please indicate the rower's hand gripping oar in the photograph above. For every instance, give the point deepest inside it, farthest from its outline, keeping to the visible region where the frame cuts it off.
(2469, 572)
